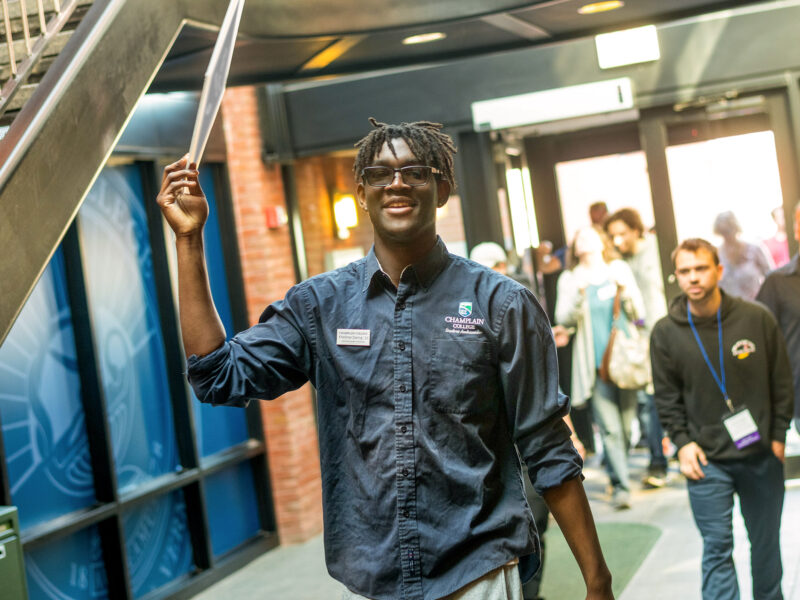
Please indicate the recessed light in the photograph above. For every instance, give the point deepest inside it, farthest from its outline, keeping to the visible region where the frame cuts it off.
(598, 7)
(424, 38)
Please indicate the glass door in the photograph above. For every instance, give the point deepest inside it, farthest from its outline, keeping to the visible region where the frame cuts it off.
(726, 172)
(726, 188)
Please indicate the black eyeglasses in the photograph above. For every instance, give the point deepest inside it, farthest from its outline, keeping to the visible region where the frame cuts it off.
(412, 175)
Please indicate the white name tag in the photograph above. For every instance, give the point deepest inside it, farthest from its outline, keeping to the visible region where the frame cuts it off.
(742, 428)
(352, 337)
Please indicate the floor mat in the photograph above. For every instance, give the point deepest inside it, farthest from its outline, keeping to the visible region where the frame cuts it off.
(625, 546)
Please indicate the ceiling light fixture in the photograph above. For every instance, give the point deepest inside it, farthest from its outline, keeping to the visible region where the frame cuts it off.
(598, 7)
(424, 38)
(627, 47)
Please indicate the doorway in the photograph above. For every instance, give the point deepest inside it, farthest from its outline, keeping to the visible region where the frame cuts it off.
(680, 167)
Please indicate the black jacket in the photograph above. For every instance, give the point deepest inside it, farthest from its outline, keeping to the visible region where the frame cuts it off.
(691, 405)
(780, 292)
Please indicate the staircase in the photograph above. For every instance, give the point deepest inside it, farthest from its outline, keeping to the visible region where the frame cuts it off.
(62, 135)
(32, 34)
(71, 96)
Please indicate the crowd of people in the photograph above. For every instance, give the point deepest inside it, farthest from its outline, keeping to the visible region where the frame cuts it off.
(438, 379)
(724, 419)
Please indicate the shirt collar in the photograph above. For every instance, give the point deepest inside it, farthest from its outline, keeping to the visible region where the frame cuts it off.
(426, 270)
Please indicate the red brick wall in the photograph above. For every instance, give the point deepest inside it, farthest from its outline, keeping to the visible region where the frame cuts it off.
(318, 178)
(268, 272)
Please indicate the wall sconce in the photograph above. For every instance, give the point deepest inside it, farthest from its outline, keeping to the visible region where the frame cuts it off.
(345, 214)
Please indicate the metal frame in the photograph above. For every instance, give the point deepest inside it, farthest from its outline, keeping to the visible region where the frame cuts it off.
(5, 488)
(233, 271)
(111, 506)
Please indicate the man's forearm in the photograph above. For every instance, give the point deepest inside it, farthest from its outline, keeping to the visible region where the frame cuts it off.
(570, 507)
(201, 327)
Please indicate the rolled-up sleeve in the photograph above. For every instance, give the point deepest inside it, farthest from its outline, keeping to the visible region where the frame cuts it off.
(535, 407)
(263, 362)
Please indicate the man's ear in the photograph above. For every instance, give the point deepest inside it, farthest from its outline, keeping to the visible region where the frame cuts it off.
(361, 196)
(442, 192)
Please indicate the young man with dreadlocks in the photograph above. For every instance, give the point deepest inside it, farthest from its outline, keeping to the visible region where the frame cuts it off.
(432, 373)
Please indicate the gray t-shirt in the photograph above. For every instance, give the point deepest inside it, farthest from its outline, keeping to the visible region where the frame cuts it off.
(646, 267)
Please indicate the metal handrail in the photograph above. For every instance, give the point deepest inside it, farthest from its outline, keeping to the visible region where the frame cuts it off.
(22, 66)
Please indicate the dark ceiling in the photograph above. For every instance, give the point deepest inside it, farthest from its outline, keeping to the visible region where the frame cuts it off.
(291, 40)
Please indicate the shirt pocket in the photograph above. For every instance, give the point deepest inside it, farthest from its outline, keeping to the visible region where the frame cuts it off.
(463, 376)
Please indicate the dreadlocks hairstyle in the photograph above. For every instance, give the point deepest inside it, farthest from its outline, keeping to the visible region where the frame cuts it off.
(424, 139)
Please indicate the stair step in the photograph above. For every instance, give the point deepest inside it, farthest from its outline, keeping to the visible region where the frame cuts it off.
(37, 72)
(55, 46)
(32, 8)
(17, 31)
(51, 51)
(33, 23)
(22, 96)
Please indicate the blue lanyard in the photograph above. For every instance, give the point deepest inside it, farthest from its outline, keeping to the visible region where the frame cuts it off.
(719, 379)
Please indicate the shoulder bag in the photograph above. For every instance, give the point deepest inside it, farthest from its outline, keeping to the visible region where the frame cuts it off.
(626, 360)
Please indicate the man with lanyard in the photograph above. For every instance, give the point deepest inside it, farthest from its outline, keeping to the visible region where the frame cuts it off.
(429, 370)
(781, 293)
(723, 391)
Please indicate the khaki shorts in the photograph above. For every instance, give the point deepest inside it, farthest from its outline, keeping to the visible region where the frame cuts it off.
(501, 584)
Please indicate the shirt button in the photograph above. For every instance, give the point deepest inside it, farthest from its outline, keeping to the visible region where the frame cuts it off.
(405, 514)
(404, 472)
(401, 345)
(403, 429)
(402, 388)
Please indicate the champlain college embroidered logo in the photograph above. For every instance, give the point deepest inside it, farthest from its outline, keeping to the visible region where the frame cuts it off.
(464, 323)
(743, 348)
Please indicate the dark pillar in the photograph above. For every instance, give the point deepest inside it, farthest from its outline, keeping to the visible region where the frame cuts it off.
(477, 185)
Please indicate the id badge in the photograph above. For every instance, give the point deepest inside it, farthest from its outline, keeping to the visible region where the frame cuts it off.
(742, 428)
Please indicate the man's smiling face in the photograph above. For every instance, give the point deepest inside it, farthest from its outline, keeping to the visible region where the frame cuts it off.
(401, 213)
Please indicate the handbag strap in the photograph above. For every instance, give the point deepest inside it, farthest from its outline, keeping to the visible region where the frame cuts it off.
(617, 304)
(603, 370)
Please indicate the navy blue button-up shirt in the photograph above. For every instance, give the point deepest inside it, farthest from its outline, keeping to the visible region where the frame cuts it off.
(425, 392)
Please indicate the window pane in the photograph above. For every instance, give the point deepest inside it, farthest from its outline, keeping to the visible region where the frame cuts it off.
(157, 543)
(44, 431)
(231, 488)
(122, 299)
(734, 178)
(619, 180)
(68, 569)
(218, 427)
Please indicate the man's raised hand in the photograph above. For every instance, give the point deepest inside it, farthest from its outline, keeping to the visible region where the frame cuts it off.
(181, 198)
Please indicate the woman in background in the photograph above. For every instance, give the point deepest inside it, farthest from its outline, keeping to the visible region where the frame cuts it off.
(744, 265)
(585, 302)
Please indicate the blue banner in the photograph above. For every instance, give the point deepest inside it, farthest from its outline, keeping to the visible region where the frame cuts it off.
(157, 543)
(44, 431)
(230, 488)
(218, 427)
(68, 569)
(124, 307)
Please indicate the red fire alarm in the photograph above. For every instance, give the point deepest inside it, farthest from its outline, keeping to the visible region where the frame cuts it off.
(275, 216)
